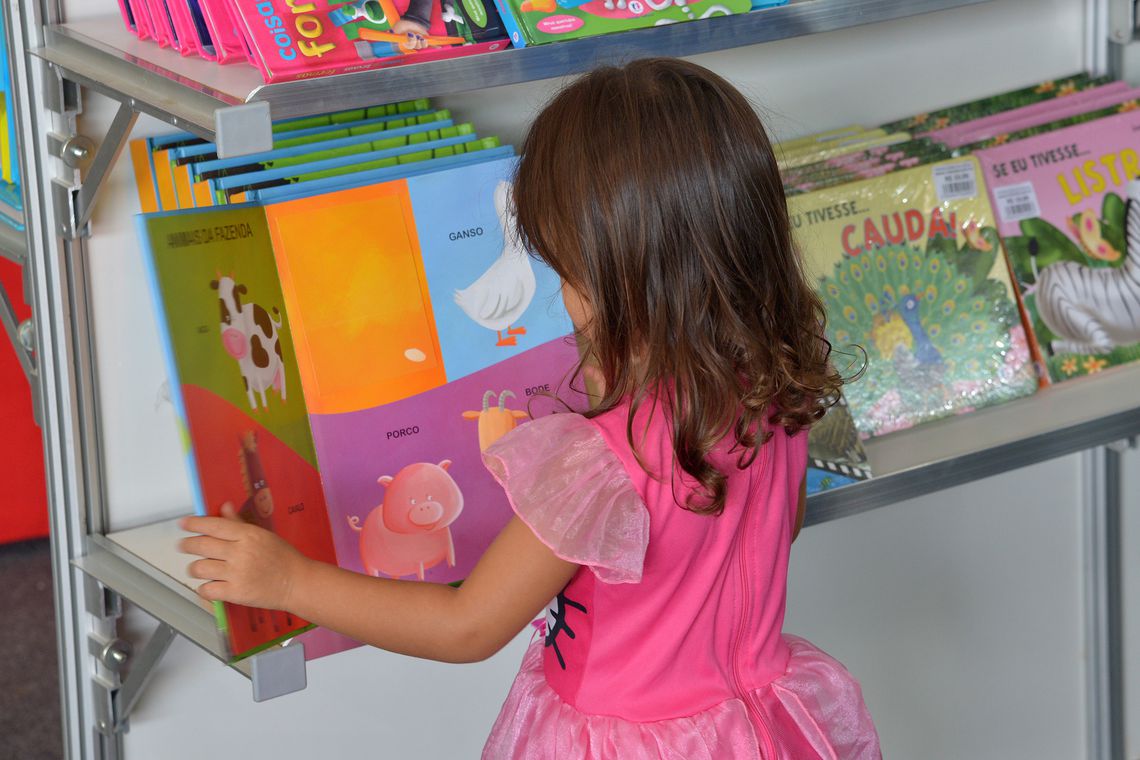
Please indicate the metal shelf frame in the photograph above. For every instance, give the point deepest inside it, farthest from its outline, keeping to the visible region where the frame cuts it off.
(55, 63)
(201, 97)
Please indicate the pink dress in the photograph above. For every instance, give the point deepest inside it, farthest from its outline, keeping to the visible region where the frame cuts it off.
(667, 642)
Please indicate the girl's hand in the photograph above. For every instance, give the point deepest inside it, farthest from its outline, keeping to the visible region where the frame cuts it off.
(414, 31)
(242, 563)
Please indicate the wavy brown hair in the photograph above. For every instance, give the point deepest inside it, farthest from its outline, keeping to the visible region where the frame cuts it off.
(653, 191)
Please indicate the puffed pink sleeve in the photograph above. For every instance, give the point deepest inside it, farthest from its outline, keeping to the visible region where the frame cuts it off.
(566, 484)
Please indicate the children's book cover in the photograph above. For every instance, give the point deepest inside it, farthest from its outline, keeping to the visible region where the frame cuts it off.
(992, 104)
(434, 335)
(1035, 115)
(299, 40)
(536, 22)
(233, 364)
(835, 451)
(1061, 200)
(910, 270)
(373, 342)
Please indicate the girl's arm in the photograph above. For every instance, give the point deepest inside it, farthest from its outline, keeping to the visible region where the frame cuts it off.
(801, 510)
(512, 582)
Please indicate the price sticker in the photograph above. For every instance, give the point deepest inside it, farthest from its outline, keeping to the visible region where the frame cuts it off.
(956, 181)
(1017, 202)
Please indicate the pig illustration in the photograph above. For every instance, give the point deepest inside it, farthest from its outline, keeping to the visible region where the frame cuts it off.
(409, 532)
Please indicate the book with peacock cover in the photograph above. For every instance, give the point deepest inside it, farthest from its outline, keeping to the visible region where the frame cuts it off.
(1061, 200)
(910, 270)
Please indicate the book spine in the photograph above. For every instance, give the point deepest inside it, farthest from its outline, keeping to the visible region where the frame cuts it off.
(515, 30)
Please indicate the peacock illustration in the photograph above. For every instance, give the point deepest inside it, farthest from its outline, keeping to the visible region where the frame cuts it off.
(938, 332)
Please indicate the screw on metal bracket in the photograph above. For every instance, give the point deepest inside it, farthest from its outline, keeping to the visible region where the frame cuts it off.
(77, 152)
(115, 654)
(27, 334)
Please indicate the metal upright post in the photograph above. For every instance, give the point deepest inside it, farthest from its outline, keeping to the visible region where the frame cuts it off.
(1104, 605)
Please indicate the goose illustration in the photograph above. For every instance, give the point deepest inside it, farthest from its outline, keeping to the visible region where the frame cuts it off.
(501, 294)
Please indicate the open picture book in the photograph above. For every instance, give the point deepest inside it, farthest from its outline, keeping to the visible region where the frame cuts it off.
(341, 360)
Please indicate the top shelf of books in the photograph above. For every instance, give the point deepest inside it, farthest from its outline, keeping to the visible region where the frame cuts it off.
(189, 92)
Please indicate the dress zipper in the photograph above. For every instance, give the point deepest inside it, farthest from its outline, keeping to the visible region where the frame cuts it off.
(766, 733)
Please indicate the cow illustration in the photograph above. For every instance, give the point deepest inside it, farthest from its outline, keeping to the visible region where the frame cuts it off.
(408, 533)
(252, 338)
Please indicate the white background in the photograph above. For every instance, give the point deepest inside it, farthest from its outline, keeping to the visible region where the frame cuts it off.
(960, 612)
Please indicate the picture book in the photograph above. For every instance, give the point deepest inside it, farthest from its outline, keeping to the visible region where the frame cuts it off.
(1061, 201)
(161, 24)
(8, 155)
(223, 41)
(839, 133)
(11, 198)
(1031, 116)
(189, 28)
(390, 152)
(1081, 118)
(537, 22)
(299, 40)
(160, 163)
(356, 143)
(346, 407)
(412, 166)
(840, 148)
(835, 452)
(976, 109)
(136, 23)
(910, 270)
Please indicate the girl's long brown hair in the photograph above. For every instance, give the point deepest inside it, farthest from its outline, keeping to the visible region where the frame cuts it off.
(652, 190)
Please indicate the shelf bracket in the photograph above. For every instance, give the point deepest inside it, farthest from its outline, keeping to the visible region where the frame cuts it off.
(120, 675)
(80, 204)
(22, 336)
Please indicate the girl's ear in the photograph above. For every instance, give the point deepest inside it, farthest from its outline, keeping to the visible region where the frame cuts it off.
(445, 464)
(385, 480)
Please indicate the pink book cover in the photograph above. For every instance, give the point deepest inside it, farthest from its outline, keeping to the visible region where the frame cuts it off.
(1035, 115)
(133, 25)
(229, 47)
(189, 44)
(1060, 201)
(1039, 105)
(162, 27)
(140, 13)
(295, 40)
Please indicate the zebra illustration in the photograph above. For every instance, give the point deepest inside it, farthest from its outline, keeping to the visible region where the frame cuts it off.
(1092, 311)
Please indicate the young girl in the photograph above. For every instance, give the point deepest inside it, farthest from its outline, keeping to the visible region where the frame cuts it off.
(660, 521)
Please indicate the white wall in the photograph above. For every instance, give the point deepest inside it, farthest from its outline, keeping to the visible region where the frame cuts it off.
(960, 611)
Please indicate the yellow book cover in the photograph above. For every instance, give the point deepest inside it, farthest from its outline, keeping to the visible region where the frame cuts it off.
(144, 176)
(819, 138)
(839, 148)
(912, 275)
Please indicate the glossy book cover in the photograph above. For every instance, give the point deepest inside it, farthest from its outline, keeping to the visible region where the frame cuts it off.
(399, 328)
(299, 40)
(911, 273)
(1061, 200)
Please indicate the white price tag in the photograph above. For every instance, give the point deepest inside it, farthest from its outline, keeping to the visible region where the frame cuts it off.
(1017, 202)
(956, 181)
